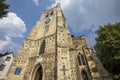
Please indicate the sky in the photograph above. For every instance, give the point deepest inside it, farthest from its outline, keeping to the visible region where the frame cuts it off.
(83, 17)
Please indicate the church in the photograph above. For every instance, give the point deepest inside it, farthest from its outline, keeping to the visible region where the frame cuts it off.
(50, 52)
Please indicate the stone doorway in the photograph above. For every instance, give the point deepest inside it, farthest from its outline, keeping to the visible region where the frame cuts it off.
(39, 74)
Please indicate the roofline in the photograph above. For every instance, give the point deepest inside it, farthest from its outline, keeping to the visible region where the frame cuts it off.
(6, 53)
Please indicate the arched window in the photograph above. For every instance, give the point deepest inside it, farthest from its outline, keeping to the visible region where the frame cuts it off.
(84, 75)
(42, 48)
(79, 60)
(83, 60)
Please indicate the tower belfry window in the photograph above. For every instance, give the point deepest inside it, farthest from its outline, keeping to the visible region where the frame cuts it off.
(48, 17)
(47, 21)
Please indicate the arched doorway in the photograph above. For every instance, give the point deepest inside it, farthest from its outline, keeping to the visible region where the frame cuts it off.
(39, 74)
(84, 75)
(36, 72)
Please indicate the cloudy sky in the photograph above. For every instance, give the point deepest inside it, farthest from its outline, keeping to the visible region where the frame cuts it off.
(83, 17)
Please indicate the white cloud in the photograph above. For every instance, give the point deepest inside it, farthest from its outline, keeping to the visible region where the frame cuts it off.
(82, 14)
(36, 2)
(4, 42)
(8, 45)
(73, 11)
(10, 26)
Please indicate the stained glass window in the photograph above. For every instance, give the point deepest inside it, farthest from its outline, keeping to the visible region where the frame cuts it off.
(17, 71)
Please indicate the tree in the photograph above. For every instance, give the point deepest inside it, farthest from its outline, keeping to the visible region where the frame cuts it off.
(3, 8)
(108, 48)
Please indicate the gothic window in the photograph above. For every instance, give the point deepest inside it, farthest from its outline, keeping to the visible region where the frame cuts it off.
(17, 71)
(79, 59)
(83, 60)
(2, 66)
(8, 58)
(84, 75)
(42, 47)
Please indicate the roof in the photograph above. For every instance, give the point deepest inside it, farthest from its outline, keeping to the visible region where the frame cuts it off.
(6, 53)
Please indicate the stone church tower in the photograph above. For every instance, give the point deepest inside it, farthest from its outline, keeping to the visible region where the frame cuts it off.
(51, 53)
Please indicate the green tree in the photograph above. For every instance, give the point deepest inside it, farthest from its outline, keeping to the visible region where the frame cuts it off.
(108, 48)
(3, 8)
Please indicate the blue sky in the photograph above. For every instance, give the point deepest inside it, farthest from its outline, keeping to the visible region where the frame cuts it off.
(83, 17)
